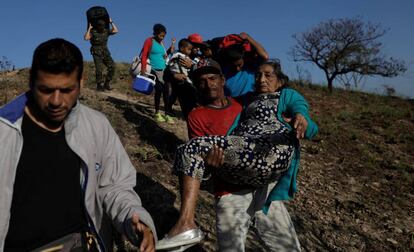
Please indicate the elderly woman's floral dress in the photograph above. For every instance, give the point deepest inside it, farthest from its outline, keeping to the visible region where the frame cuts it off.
(257, 152)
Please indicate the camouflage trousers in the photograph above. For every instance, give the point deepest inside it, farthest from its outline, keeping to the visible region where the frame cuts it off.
(102, 58)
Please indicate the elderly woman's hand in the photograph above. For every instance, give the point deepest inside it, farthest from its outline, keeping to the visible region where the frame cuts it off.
(300, 125)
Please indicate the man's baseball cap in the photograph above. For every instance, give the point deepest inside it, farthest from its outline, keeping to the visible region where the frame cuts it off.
(195, 38)
(212, 67)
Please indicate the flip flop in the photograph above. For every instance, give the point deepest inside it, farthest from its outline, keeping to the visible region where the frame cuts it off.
(182, 248)
(189, 237)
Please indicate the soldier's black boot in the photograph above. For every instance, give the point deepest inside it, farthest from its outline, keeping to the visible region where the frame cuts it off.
(107, 87)
(99, 87)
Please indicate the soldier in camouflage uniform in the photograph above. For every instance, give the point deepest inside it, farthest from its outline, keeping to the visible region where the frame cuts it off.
(98, 36)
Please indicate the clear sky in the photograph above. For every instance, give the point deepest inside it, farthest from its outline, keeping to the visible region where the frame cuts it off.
(25, 24)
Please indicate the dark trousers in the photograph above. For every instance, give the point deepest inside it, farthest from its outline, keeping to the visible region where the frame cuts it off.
(186, 94)
(102, 58)
(162, 88)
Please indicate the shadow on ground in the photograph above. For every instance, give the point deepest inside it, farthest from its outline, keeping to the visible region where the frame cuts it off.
(159, 202)
(149, 131)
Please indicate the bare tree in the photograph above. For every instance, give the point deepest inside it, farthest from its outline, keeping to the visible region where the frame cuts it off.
(388, 90)
(5, 64)
(341, 46)
(304, 76)
(352, 79)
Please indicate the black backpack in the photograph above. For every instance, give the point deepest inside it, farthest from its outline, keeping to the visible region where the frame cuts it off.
(95, 13)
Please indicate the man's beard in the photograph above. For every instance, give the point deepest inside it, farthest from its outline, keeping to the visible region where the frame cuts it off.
(42, 116)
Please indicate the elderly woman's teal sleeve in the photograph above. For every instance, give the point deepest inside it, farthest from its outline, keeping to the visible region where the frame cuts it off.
(292, 102)
(296, 103)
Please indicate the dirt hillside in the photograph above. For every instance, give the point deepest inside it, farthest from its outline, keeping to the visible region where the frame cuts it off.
(356, 179)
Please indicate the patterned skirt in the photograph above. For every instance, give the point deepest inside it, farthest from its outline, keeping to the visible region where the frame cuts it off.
(248, 160)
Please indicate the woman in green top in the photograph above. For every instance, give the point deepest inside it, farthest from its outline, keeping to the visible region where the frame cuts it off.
(154, 50)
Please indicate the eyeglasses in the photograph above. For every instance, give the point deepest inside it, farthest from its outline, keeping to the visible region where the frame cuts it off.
(267, 75)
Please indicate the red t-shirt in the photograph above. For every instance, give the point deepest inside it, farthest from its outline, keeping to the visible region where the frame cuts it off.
(209, 121)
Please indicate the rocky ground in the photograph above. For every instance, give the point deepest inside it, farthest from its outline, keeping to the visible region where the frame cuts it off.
(356, 181)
